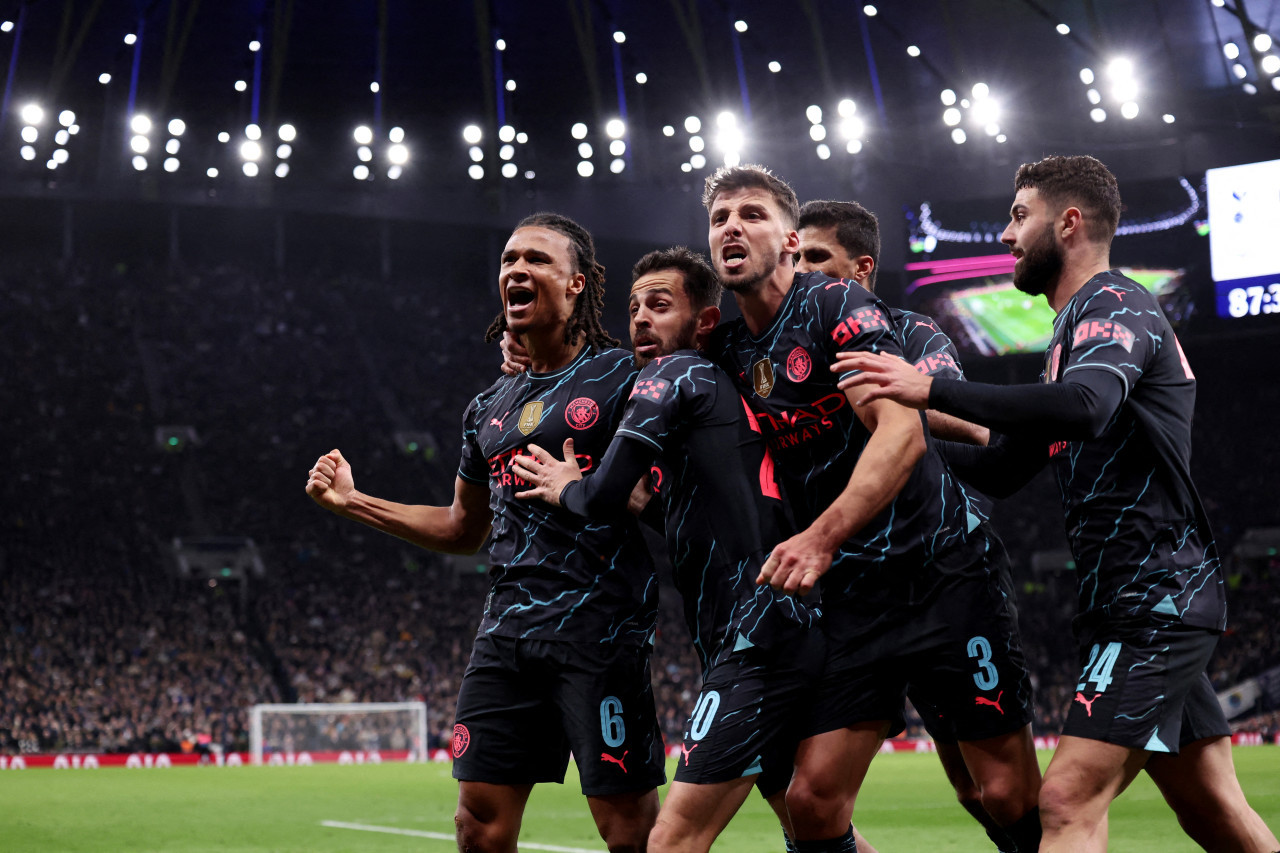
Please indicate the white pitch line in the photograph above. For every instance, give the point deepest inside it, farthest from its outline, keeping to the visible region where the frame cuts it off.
(441, 836)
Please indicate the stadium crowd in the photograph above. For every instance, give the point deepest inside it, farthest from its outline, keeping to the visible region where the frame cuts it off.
(104, 648)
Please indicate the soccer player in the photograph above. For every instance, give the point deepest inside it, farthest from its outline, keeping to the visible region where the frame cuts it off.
(686, 422)
(908, 572)
(1113, 417)
(841, 239)
(561, 659)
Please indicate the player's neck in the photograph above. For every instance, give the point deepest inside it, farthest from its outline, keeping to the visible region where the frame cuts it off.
(1075, 274)
(547, 350)
(761, 304)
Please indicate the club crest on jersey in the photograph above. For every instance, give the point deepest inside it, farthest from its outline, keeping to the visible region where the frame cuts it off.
(799, 365)
(762, 377)
(582, 413)
(530, 416)
(461, 740)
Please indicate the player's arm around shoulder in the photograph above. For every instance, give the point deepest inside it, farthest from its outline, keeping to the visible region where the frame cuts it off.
(460, 528)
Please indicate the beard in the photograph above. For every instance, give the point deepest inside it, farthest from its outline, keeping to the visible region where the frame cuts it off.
(1040, 266)
(749, 280)
(685, 338)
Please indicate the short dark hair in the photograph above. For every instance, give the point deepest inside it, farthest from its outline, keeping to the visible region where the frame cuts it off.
(728, 178)
(585, 319)
(700, 280)
(857, 229)
(1081, 181)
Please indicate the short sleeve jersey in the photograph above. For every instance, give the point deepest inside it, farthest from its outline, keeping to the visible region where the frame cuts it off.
(1138, 532)
(926, 346)
(816, 439)
(552, 576)
(722, 506)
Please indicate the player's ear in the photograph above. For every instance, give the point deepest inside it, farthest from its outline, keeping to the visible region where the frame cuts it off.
(791, 245)
(1071, 223)
(864, 265)
(708, 319)
(577, 284)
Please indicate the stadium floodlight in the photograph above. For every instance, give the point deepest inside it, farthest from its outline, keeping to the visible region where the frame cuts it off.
(294, 732)
(28, 153)
(1270, 63)
(66, 118)
(522, 137)
(51, 164)
(375, 87)
(393, 173)
(6, 27)
(1231, 50)
(617, 148)
(615, 128)
(500, 44)
(1063, 29)
(398, 154)
(471, 134)
(282, 170)
(986, 111)
(686, 167)
(212, 171)
(951, 116)
(283, 151)
(287, 133)
(870, 11)
(30, 134)
(854, 146)
(140, 124)
(692, 124)
(1250, 89)
(530, 175)
(696, 143)
(104, 78)
(250, 150)
(396, 135)
(1239, 70)
(59, 156)
(476, 153)
(241, 85)
(360, 172)
(140, 144)
(62, 137)
(740, 26)
(992, 129)
(1129, 109)
(824, 153)
(177, 127)
(252, 131)
(1086, 76)
(130, 38)
(33, 114)
(1098, 114)
(846, 108)
(642, 78)
(140, 163)
(775, 66)
(585, 169)
(617, 165)
(584, 150)
(697, 161)
(511, 85)
(619, 36)
(578, 131)
(813, 112)
(730, 140)
(1168, 118)
(958, 136)
(1001, 138)
(668, 130)
(852, 127)
(74, 129)
(224, 137)
(913, 51)
(506, 152)
(509, 170)
(948, 97)
(817, 133)
(1120, 68)
(980, 91)
(1094, 96)
(172, 146)
(1275, 83)
(255, 46)
(1262, 42)
(476, 171)
(365, 153)
(171, 164)
(506, 133)
(363, 135)
(726, 119)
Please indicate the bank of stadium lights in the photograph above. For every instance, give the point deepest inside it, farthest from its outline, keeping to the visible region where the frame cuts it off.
(850, 128)
(1123, 89)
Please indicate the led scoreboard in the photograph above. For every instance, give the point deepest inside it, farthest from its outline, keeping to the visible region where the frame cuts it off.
(1244, 238)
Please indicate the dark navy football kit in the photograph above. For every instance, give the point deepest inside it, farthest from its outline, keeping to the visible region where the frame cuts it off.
(561, 660)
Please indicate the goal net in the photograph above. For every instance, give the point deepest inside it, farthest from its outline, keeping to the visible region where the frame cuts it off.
(355, 732)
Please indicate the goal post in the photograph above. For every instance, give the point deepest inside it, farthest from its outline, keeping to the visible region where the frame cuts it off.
(321, 727)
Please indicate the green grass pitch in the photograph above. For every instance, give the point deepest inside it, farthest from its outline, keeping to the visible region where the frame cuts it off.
(1013, 321)
(905, 806)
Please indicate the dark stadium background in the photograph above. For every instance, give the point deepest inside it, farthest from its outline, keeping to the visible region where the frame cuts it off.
(280, 317)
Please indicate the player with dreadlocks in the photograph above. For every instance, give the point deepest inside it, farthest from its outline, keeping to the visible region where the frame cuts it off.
(561, 658)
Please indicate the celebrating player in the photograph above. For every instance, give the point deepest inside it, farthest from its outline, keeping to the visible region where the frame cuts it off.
(909, 584)
(1113, 417)
(841, 239)
(714, 476)
(561, 659)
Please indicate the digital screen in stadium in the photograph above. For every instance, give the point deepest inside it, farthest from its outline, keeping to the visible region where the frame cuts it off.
(1244, 209)
(974, 301)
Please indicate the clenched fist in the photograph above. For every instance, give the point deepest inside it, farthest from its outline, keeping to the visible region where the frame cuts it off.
(330, 483)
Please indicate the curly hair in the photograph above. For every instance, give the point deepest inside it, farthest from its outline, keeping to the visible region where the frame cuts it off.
(857, 229)
(1081, 181)
(585, 319)
(729, 178)
(700, 280)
